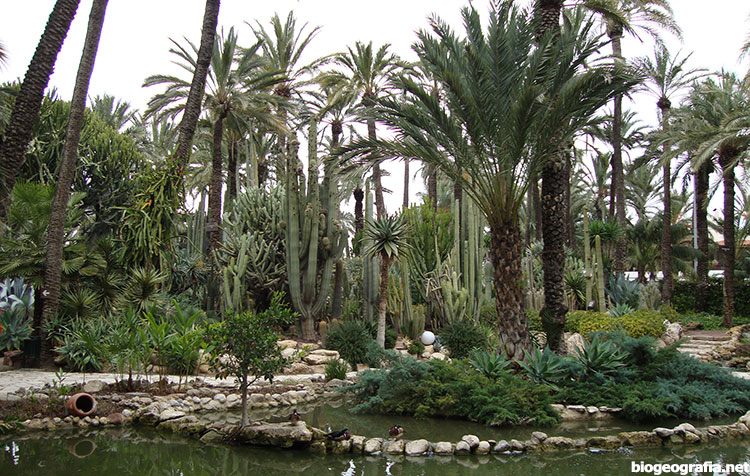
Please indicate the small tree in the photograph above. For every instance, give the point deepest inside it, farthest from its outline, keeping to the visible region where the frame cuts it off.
(244, 346)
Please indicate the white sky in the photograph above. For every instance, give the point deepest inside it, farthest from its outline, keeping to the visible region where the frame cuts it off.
(135, 41)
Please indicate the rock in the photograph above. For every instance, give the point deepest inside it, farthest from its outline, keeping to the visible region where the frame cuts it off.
(659, 344)
(287, 343)
(502, 446)
(220, 397)
(340, 447)
(280, 435)
(577, 408)
(472, 440)
(335, 383)
(437, 356)
(664, 432)
(115, 418)
(604, 442)
(573, 343)
(395, 447)
(212, 436)
(539, 436)
(557, 407)
(516, 445)
(299, 368)
(188, 424)
(93, 386)
(641, 438)
(462, 448)
(592, 410)
(483, 448)
(358, 443)
(443, 448)
(151, 414)
(288, 353)
(171, 415)
(691, 438)
(672, 333)
(321, 356)
(417, 447)
(684, 428)
(127, 413)
(558, 443)
(373, 445)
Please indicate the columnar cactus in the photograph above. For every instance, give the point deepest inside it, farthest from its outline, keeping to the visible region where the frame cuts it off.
(314, 235)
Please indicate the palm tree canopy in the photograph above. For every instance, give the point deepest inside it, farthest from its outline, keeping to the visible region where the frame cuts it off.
(505, 104)
(666, 74)
(388, 235)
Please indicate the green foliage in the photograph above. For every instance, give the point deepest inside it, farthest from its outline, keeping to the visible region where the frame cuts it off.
(350, 339)
(336, 369)
(440, 389)
(461, 337)
(84, 345)
(643, 323)
(684, 293)
(391, 337)
(534, 320)
(600, 358)
(16, 328)
(544, 367)
(416, 348)
(708, 321)
(620, 310)
(651, 295)
(620, 290)
(636, 324)
(489, 364)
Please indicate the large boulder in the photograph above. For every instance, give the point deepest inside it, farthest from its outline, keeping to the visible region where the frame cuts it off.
(373, 445)
(641, 438)
(321, 356)
(472, 440)
(443, 448)
(573, 343)
(417, 447)
(672, 333)
(151, 414)
(280, 435)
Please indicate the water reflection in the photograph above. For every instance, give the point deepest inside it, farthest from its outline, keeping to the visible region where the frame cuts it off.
(129, 451)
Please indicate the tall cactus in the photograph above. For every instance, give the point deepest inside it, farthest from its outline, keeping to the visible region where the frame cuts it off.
(587, 256)
(314, 235)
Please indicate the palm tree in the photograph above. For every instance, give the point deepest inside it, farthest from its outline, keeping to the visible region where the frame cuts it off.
(29, 98)
(389, 238)
(56, 230)
(496, 123)
(115, 112)
(3, 55)
(665, 76)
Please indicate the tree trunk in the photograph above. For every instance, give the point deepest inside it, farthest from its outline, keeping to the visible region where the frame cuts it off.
(666, 236)
(214, 191)
(29, 98)
(232, 171)
(195, 96)
(382, 299)
(376, 174)
(359, 219)
(338, 290)
(701, 225)
(726, 159)
(554, 226)
(405, 205)
(243, 392)
(432, 186)
(505, 253)
(537, 209)
(56, 229)
(618, 178)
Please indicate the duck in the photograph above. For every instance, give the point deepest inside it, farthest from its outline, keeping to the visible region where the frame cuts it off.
(294, 417)
(396, 431)
(339, 435)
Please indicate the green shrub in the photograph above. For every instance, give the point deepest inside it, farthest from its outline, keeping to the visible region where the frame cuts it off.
(350, 339)
(16, 328)
(416, 348)
(461, 337)
(643, 323)
(684, 292)
(440, 389)
(573, 319)
(336, 369)
(592, 322)
(621, 290)
(488, 315)
(391, 337)
(489, 364)
(708, 321)
(534, 320)
(600, 358)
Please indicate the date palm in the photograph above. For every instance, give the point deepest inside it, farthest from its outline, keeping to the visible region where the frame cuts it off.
(496, 124)
(666, 75)
(56, 230)
(389, 242)
(29, 99)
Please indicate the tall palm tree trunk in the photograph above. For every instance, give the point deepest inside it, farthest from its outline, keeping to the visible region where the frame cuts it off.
(505, 253)
(618, 177)
(726, 159)
(432, 185)
(232, 171)
(666, 236)
(701, 225)
(195, 96)
(56, 230)
(382, 298)
(405, 204)
(29, 98)
(376, 174)
(214, 191)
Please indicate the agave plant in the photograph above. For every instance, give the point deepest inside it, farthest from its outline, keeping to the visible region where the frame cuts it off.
(15, 294)
(600, 357)
(489, 364)
(620, 310)
(544, 367)
(16, 328)
(623, 291)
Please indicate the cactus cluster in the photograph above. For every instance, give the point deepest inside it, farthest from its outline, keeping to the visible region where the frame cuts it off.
(314, 237)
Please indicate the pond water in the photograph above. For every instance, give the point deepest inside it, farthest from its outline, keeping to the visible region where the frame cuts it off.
(132, 451)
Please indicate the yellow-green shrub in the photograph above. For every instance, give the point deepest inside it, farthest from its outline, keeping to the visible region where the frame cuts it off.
(643, 323)
(596, 322)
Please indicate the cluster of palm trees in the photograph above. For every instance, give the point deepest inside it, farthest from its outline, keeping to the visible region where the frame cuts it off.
(498, 109)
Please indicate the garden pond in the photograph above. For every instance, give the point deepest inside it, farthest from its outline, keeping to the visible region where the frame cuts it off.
(146, 451)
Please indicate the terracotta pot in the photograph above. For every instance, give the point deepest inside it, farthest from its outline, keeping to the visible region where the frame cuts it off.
(81, 404)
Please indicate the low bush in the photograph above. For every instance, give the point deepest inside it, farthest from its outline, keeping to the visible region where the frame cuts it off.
(708, 321)
(461, 337)
(336, 369)
(350, 339)
(640, 323)
(643, 323)
(440, 389)
(416, 348)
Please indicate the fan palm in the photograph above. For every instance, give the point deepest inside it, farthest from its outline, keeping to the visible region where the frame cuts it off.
(388, 236)
(496, 124)
(665, 76)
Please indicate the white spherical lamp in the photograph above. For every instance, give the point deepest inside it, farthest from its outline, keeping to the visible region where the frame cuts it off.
(427, 338)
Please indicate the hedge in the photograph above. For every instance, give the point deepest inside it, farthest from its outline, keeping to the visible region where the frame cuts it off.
(636, 324)
(683, 297)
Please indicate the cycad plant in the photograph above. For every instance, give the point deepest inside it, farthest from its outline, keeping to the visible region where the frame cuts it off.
(505, 106)
(388, 236)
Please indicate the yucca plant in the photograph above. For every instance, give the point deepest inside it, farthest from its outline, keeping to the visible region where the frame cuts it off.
(490, 364)
(388, 238)
(544, 367)
(599, 358)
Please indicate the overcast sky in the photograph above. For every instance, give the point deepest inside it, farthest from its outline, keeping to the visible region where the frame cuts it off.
(135, 41)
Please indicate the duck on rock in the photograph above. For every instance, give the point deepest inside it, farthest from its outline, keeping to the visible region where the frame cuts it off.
(339, 435)
(396, 431)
